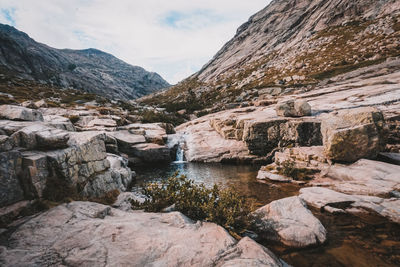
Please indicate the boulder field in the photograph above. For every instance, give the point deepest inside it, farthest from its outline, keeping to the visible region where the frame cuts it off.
(44, 156)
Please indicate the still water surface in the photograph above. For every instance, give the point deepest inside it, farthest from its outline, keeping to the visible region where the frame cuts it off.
(360, 241)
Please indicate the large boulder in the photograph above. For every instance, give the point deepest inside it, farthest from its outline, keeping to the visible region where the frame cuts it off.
(126, 139)
(40, 136)
(263, 136)
(290, 222)
(90, 234)
(349, 135)
(293, 108)
(59, 122)
(19, 113)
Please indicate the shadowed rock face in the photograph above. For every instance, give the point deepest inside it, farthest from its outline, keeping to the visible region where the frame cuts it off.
(90, 70)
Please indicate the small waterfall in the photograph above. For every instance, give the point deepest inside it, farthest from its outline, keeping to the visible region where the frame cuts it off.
(178, 142)
(179, 154)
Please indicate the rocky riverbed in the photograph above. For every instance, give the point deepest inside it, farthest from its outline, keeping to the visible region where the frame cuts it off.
(330, 168)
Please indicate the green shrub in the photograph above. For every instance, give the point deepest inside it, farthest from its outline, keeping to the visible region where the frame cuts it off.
(222, 206)
(288, 168)
(150, 116)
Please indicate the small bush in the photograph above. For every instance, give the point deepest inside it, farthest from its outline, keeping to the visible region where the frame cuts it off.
(222, 206)
(150, 116)
(289, 169)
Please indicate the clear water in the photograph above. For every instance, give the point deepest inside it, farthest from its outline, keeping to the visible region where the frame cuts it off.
(352, 241)
(241, 177)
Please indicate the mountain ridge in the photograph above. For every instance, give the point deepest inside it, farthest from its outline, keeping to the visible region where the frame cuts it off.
(90, 70)
(292, 44)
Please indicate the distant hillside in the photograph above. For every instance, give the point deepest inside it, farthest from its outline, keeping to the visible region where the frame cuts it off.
(293, 43)
(89, 70)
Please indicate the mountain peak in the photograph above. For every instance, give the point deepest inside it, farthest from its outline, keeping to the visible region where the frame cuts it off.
(90, 70)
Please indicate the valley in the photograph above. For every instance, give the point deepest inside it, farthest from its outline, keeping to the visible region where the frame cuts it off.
(298, 114)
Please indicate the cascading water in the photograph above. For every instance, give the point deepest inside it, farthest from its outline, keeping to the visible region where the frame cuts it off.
(180, 154)
(178, 141)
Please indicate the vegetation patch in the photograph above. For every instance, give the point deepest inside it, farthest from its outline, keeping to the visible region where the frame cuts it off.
(222, 206)
(288, 168)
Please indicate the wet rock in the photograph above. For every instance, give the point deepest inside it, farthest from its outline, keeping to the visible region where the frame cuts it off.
(264, 174)
(18, 113)
(126, 239)
(393, 158)
(149, 152)
(293, 108)
(332, 201)
(290, 222)
(349, 135)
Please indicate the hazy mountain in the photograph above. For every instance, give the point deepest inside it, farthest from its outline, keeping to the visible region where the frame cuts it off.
(90, 70)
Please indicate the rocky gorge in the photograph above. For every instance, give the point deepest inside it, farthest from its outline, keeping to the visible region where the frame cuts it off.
(326, 151)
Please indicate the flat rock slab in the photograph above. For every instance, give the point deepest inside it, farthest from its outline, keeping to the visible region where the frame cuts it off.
(125, 138)
(264, 175)
(290, 222)
(336, 202)
(365, 177)
(18, 113)
(90, 234)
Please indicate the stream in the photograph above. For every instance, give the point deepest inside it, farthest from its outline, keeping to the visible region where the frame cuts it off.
(352, 241)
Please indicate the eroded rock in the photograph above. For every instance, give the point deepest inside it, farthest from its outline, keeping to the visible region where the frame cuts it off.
(18, 113)
(293, 108)
(349, 135)
(290, 222)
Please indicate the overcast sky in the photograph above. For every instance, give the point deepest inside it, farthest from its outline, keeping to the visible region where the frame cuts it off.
(172, 37)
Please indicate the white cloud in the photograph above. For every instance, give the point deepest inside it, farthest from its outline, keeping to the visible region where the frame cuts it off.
(174, 38)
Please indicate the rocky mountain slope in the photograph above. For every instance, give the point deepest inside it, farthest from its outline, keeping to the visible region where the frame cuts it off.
(90, 70)
(289, 44)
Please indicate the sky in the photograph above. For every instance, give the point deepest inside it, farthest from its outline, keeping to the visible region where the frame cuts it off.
(174, 38)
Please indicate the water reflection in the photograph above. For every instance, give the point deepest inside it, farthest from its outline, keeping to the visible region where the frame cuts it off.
(241, 177)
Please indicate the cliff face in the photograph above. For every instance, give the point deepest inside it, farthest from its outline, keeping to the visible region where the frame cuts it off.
(90, 70)
(295, 43)
(285, 25)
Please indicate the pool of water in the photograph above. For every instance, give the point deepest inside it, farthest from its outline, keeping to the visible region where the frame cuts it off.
(241, 177)
(365, 240)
